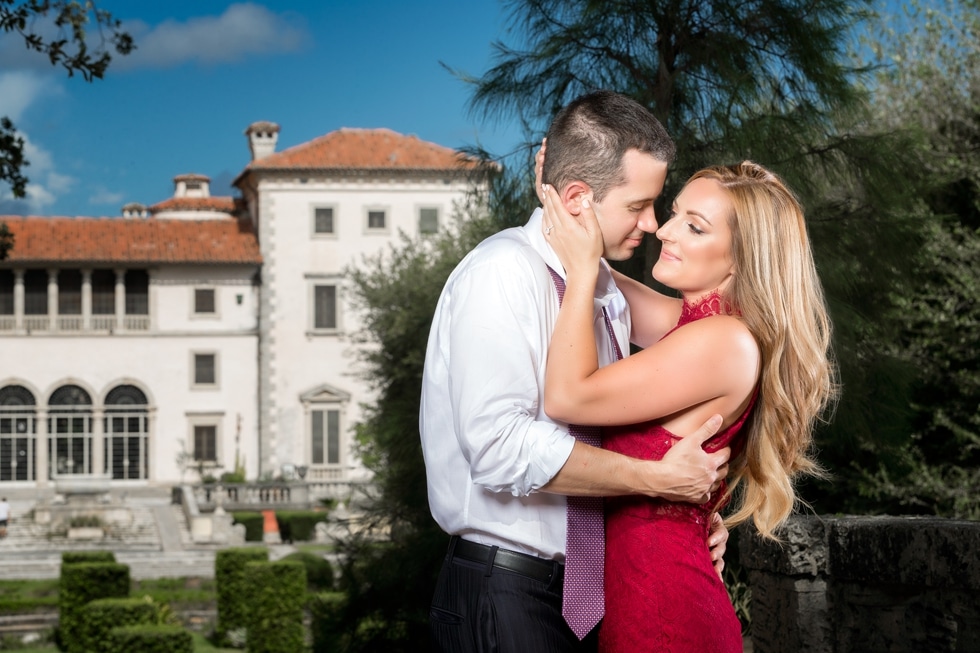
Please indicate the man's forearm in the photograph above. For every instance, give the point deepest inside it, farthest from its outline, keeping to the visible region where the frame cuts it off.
(686, 473)
(590, 471)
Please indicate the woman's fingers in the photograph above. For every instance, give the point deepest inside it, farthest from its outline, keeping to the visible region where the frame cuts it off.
(539, 170)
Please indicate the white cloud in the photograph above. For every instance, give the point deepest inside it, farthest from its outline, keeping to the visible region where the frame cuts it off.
(243, 29)
(38, 197)
(46, 183)
(19, 90)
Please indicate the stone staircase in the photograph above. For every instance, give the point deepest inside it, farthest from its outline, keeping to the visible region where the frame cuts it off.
(156, 543)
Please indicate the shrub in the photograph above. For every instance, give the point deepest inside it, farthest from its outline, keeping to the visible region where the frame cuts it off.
(80, 583)
(74, 557)
(102, 615)
(298, 525)
(233, 594)
(149, 639)
(277, 594)
(319, 571)
(253, 522)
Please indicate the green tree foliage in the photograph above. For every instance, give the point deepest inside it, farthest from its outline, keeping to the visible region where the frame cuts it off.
(389, 587)
(61, 31)
(930, 82)
(769, 81)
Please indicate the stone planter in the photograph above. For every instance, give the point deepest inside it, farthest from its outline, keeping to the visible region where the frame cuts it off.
(85, 533)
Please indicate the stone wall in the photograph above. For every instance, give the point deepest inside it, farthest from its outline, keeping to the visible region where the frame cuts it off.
(865, 584)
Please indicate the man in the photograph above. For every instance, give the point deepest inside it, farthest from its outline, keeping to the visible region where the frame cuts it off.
(498, 469)
(4, 517)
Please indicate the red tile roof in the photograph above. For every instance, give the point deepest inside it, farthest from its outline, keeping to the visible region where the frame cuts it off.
(119, 240)
(381, 149)
(222, 204)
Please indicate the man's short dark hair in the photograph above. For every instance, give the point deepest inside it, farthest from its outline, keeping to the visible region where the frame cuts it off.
(590, 135)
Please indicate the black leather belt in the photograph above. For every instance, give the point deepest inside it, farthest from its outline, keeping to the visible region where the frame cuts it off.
(519, 563)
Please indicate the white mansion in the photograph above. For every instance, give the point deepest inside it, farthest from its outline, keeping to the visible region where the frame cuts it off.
(205, 332)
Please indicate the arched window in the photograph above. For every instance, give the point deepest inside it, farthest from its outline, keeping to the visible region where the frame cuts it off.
(70, 430)
(127, 429)
(18, 429)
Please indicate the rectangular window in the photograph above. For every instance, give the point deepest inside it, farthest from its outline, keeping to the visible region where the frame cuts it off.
(137, 292)
(6, 292)
(324, 307)
(205, 369)
(204, 301)
(326, 437)
(323, 220)
(35, 292)
(205, 442)
(376, 219)
(103, 292)
(428, 221)
(70, 292)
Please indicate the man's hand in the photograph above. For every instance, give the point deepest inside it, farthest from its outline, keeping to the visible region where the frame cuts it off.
(689, 473)
(718, 542)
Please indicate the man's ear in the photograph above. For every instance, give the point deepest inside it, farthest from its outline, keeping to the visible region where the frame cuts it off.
(573, 194)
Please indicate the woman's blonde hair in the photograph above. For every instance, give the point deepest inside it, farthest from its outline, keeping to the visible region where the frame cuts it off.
(778, 295)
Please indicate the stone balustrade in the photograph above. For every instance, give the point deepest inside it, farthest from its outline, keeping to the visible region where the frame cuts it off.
(272, 495)
(865, 584)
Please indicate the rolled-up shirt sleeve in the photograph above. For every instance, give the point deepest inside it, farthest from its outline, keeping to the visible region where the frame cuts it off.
(498, 339)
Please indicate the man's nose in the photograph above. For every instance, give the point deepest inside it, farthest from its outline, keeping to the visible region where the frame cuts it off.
(648, 220)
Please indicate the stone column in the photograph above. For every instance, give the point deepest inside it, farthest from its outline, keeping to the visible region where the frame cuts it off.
(98, 443)
(790, 609)
(52, 300)
(86, 300)
(120, 299)
(19, 299)
(151, 413)
(41, 455)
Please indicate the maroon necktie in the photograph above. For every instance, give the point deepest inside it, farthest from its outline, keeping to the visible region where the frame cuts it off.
(584, 601)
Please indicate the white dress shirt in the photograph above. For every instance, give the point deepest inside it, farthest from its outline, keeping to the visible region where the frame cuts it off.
(487, 443)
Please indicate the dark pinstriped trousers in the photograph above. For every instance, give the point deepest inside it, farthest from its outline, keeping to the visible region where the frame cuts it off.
(477, 609)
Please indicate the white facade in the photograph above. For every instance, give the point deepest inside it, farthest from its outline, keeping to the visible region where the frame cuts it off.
(247, 361)
(302, 357)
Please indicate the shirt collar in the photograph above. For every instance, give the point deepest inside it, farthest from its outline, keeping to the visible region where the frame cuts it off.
(605, 290)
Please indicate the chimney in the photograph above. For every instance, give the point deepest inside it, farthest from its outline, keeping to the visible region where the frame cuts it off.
(192, 185)
(262, 137)
(135, 210)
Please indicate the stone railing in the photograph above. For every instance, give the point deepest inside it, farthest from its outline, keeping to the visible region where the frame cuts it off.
(272, 495)
(865, 584)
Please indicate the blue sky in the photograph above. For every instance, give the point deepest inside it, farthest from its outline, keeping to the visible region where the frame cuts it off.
(205, 70)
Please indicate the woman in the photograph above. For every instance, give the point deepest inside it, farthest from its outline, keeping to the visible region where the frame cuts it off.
(751, 343)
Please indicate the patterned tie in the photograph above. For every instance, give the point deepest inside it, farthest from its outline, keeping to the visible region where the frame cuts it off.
(584, 601)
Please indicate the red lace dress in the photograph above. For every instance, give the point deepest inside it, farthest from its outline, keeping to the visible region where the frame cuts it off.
(662, 593)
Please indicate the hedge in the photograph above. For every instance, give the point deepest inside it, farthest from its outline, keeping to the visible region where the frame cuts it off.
(298, 525)
(319, 571)
(232, 594)
(327, 621)
(102, 615)
(75, 557)
(277, 594)
(149, 639)
(253, 521)
(80, 583)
